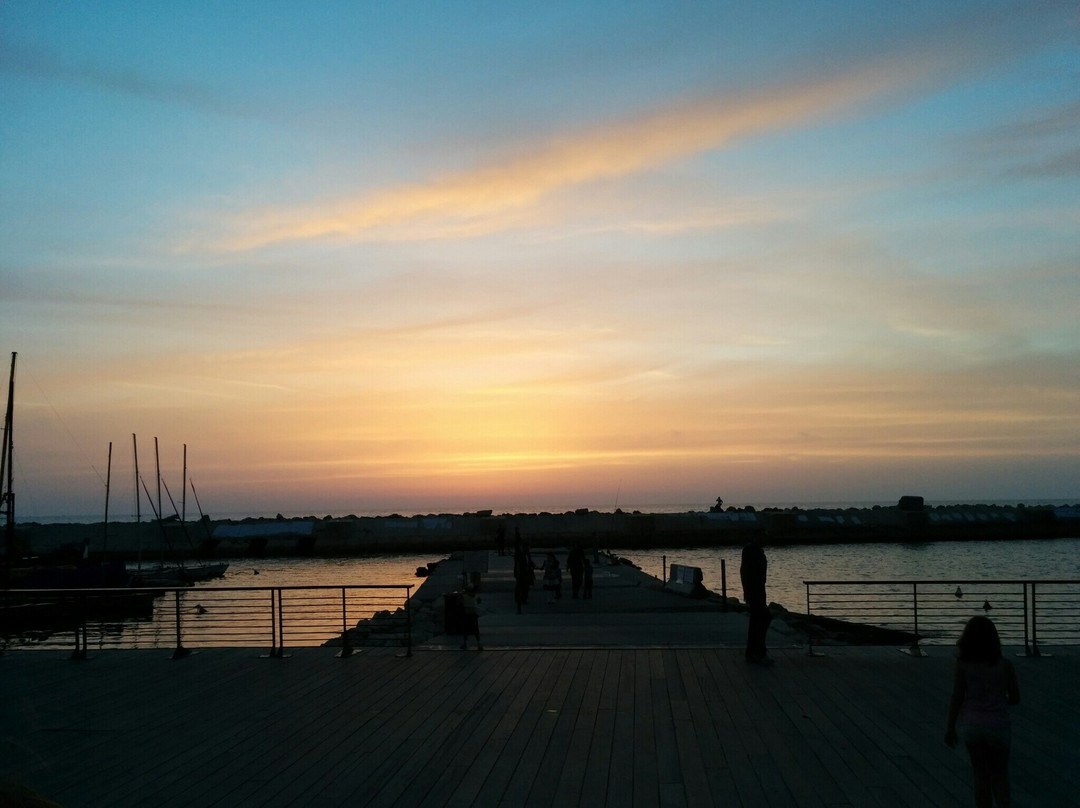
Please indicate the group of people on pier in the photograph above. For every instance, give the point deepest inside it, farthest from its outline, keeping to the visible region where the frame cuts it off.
(578, 565)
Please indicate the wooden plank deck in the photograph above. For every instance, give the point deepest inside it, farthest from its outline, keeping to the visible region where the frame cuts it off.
(537, 727)
(636, 698)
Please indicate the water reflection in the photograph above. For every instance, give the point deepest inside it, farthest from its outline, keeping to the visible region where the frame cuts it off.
(790, 565)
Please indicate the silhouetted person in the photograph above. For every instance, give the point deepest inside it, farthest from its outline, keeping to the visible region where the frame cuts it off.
(523, 574)
(753, 571)
(575, 562)
(552, 578)
(500, 539)
(984, 685)
(471, 614)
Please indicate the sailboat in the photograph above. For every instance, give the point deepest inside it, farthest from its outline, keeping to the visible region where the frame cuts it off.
(177, 573)
(30, 573)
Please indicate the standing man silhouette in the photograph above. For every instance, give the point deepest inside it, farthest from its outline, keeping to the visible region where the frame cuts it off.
(575, 562)
(753, 571)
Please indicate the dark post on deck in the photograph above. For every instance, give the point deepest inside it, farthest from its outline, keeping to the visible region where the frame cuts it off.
(915, 650)
(408, 621)
(81, 640)
(180, 651)
(1034, 623)
(346, 649)
(723, 583)
(274, 652)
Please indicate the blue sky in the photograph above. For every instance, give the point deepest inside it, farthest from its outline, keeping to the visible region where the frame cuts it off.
(397, 256)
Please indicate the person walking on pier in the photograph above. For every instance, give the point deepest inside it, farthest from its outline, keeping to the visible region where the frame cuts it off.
(753, 571)
(552, 578)
(984, 685)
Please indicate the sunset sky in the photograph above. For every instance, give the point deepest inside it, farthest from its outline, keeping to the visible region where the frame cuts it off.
(375, 257)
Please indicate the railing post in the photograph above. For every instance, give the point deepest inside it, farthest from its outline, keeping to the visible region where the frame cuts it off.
(281, 624)
(663, 569)
(915, 607)
(723, 582)
(274, 651)
(1027, 646)
(180, 651)
(1034, 623)
(809, 631)
(346, 649)
(408, 621)
(915, 649)
(80, 629)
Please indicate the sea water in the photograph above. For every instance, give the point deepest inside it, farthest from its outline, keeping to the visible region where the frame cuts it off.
(789, 565)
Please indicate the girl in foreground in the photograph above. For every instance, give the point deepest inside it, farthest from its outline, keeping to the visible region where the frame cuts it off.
(983, 687)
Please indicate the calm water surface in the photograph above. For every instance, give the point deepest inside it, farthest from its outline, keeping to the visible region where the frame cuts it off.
(789, 567)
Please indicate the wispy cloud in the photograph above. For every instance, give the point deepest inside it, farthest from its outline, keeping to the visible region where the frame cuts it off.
(1040, 143)
(496, 197)
(41, 64)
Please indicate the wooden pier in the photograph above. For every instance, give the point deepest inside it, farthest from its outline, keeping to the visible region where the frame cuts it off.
(618, 716)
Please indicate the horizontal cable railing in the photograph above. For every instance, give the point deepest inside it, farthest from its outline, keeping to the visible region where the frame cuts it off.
(275, 618)
(934, 612)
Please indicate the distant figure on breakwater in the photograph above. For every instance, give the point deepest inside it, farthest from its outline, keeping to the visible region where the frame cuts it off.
(575, 562)
(984, 685)
(500, 539)
(753, 571)
(552, 578)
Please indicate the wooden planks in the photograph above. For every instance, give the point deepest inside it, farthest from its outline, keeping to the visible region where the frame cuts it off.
(548, 727)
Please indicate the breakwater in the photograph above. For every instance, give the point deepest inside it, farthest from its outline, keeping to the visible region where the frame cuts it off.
(908, 521)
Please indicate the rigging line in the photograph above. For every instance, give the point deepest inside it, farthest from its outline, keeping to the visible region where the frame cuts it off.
(183, 527)
(26, 490)
(161, 523)
(202, 516)
(67, 429)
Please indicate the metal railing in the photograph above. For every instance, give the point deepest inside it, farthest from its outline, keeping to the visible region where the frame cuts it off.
(1025, 612)
(183, 618)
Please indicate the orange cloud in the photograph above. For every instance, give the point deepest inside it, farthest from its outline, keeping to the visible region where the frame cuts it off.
(495, 197)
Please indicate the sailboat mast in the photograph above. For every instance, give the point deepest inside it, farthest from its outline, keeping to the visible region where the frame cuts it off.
(183, 494)
(157, 467)
(108, 483)
(7, 463)
(138, 505)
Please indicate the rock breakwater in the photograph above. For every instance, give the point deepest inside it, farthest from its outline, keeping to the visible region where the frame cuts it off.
(422, 533)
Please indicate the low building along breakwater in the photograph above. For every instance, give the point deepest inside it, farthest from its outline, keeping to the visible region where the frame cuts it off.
(909, 521)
